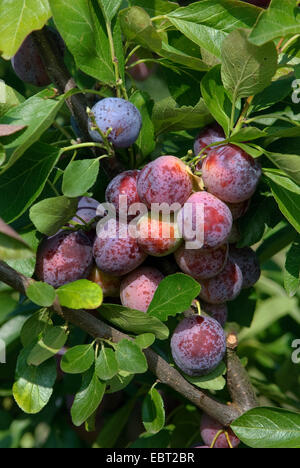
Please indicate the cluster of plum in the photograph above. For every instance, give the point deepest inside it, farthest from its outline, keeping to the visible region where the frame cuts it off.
(118, 258)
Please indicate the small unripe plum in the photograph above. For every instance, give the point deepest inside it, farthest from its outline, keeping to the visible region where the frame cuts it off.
(109, 284)
(138, 288)
(238, 210)
(248, 262)
(124, 184)
(116, 252)
(165, 180)
(219, 312)
(209, 135)
(121, 116)
(157, 236)
(224, 287)
(64, 258)
(209, 429)
(28, 64)
(215, 224)
(198, 345)
(231, 174)
(202, 263)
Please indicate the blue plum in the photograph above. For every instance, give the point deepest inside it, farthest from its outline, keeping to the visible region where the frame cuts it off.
(120, 115)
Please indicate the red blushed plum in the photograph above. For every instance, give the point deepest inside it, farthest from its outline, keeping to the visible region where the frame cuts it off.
(215, 224)
(238, 210)
(209, 135)
(209, 429)
(124, 184)
(138, 288)
(202, 264)
(219, 312)
(198, 345)
(109, 284)
(224, 287)
(165, 180)
(231, 174)
(116, 252)
(64, 258)
(248, 262)
(158, 237)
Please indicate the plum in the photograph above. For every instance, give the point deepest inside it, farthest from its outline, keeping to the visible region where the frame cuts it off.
(165, 180)
(248, 262)
(211, 134)
(217, 311)
(121, 116)
(224, 287)
(124, 184)
(231, 174)
(27, 62)
(198, 345)
(209, 429)
(141, 71)
(202, 263)
(64, 258)
(213, 228)
(157, 235)
(138, 288)
(116, 252)
(109, 284)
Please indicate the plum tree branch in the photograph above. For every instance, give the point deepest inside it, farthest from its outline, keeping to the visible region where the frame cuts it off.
(166, 374)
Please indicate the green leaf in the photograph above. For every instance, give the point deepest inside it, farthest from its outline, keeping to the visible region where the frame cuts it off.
(82, 294)
(88, 398)
(79, 177)
(247, 134)
(287, 195)
(34, 386)
(292, 269)
(119, 382)
(268, 428)
(247, 69)
(78, 359)
(153, 412)
(146, 139)
(216, 98)
(21, 17)
(145, 341)
(173, 296)
(245, 302)
(41, 294)
(37, 114)
(51, 214)
(130, 358)
(110, 8)
(215, 381)
(35, 165)
(34, 326)
(106, 366)
(178, 56)
(53, 339)
(155, 7)
(133, 320)
(280, 20)
(114, 426)
(26, 266)
(11, 97)
(168, 117)
(208, 22)
(138, 28)
(289, 163)
(92, 52)
(12, 246)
